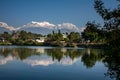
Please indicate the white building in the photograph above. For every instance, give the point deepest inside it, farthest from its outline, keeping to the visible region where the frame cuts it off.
(64, 35)
(40, 39)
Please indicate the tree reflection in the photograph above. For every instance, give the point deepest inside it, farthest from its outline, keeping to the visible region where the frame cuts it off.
(89, 57)
(58, 54)
(25, 52)
(21, 53)
(112, 61)
(5, 51)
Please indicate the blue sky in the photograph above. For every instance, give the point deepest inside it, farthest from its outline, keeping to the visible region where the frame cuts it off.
(78, 12)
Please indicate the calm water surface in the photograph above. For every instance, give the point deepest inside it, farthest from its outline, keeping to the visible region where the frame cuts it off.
(50, 63)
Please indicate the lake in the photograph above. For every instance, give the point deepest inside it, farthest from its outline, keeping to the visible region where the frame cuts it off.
(55, 63)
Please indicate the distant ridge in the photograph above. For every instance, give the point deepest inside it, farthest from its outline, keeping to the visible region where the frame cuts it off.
(41, 27)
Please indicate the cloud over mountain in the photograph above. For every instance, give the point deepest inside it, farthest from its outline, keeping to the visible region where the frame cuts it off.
(43, 27)
(4, 25)
(68, 26)
(43, 24)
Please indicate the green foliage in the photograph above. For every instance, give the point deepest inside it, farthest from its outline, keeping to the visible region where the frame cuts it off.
(23, 35)
(112, 62)
(19, 38)
(91, 32)
(19, 42)
(6, 35)
(55, 36)
(74, 37)
(67, 39)
(112, 22)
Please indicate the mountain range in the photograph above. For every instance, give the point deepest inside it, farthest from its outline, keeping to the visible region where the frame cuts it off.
(41, 27)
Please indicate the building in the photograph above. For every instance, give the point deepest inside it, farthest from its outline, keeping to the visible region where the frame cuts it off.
(64, 35)
(40, 39)
(15, 35)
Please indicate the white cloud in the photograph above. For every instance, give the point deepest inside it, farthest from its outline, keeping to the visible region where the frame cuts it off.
(5, 60)
(68, 26)
(43, 24)
(46, 61)
(48, 25)
(68, 61)
(4, 25)
(35, 62)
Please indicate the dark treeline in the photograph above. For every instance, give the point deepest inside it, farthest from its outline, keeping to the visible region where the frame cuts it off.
(108, 33)
(111, 29)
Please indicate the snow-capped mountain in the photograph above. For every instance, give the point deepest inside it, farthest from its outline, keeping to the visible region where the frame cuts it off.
(41, 27)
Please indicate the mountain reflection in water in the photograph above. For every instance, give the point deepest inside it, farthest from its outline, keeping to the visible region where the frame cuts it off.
(46, 56)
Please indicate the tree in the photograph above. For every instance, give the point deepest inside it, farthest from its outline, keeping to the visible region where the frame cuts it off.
(111, 17)
(55, 36)
(91, 32)
(112, 62)
(111, 22)
(74, 37)
(23, 35)
(6, 36)
(53, 32)
(59, 32)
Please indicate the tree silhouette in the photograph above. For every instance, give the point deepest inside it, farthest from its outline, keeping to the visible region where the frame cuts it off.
(111, 22)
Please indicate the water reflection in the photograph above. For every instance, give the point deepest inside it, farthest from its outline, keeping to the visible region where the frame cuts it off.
(91, 57)
(36, 62)
(112, 61)
(5, 60)
(42, 56)
(46, 56)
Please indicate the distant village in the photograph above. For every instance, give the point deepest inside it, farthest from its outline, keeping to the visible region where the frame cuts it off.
(28, 38)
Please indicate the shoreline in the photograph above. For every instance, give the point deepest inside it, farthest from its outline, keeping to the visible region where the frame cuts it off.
(75, 45)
